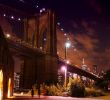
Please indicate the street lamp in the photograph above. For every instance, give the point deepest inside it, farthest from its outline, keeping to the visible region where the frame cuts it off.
(67, 61)
(67, 45)
(64, 68)
(8, 35)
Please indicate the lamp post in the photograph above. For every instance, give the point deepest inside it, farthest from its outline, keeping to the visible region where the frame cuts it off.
(64, 68)
(67, 45)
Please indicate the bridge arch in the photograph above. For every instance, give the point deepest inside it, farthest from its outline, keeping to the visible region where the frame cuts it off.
(41, 25)
(45, 63)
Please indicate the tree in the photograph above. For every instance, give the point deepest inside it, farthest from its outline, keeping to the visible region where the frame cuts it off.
(104, 81)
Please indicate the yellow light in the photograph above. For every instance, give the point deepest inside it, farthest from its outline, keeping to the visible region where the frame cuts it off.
(9, 87)
(75, 76)
(1, 84)
(21, 93)
(68, 62)
(8, 35)
(41, 48)
(0, 94)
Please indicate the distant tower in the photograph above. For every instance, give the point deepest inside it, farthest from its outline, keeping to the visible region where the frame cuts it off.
(95, 69)
(83, 61)
(84, 66)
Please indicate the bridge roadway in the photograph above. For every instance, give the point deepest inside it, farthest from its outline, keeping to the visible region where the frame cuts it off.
(22, 48)
(74, 69)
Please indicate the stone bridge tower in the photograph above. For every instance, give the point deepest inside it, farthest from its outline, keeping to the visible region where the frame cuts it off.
(40, 31)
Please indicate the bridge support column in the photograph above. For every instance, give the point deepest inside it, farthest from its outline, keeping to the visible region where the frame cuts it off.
(47, 69)
(28, 73)
(50, 60)
(51, 68)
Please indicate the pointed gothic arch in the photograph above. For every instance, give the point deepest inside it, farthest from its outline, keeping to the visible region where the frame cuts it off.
(45, 23)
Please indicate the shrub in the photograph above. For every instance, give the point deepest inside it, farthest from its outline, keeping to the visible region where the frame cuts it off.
(93, 92)
(77, 90)
(54, 90)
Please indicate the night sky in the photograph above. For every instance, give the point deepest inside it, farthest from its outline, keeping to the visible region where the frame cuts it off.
(89, 18)
(71, 13)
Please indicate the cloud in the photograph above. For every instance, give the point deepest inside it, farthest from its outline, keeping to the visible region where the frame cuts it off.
(86, 43)
(83, 45)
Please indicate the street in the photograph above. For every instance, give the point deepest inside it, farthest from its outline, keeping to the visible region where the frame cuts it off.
(51, 98)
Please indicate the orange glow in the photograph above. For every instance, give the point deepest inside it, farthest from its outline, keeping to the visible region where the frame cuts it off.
(1, 84)
(9, 87)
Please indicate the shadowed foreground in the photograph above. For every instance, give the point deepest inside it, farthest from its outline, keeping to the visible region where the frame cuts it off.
(51, 98)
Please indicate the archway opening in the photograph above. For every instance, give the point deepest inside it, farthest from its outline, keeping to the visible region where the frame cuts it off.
(9, 87)
(1, 84)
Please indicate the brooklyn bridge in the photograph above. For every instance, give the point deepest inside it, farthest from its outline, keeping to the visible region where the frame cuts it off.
(36, 48)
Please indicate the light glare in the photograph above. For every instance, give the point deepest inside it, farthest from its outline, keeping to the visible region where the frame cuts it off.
(4, 15)
(19, 19)
(67, 44)
(12, 17)
(8, 35)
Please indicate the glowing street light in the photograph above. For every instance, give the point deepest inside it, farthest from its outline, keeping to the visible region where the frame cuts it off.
(64, 68)
(4, 15)
(12, 17)
(37, 6)
(67, 61)
(65, 34)
(67, 45)
(19, 19)
(8, 35)
(58, 23)
(41, 11)
(62, 29)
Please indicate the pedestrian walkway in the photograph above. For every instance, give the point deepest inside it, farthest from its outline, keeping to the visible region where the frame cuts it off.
(51, 98)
